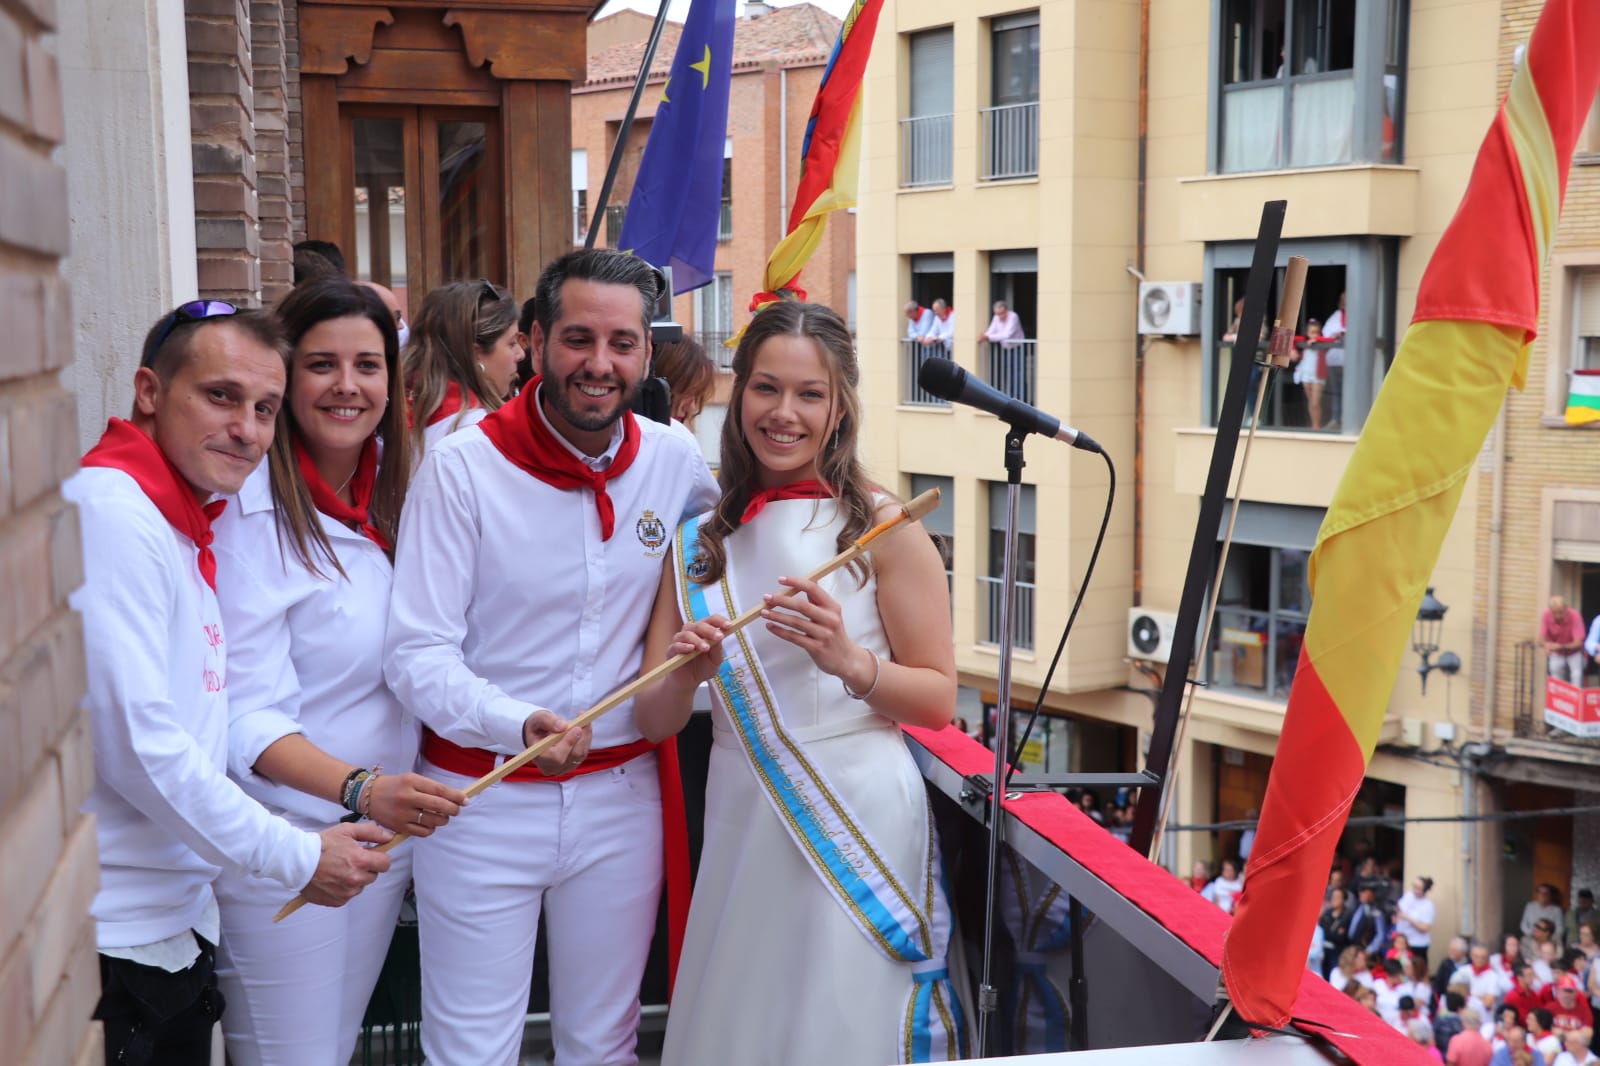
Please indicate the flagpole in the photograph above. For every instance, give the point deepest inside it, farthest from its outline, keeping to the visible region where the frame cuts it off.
(615, 163)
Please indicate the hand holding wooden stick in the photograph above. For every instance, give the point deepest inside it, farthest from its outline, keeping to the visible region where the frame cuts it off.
(912, 511)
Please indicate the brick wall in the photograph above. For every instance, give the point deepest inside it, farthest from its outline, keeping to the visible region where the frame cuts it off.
(296, 133)
(1538, 456)
(269, 59)
(49, 979)
(222, 126)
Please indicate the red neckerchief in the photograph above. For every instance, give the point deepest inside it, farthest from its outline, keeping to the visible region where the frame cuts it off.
(361, 484)
(451, 403)
(810, 489)
(127, 448)
(1479, 971)
(518, 429)
(946, 314)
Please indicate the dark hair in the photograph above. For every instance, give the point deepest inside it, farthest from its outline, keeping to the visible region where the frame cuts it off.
(838, 464)
(1546, 1017)
(603, 266)
(1408, 1003)
(1454, 1001)
(1585, 893)
(689, 371)
(454, 323)
(327, 250)
(1427, 884)
(525, 320)
(1519, 967)
(306, 306)
(1392, 967)
(169, 354)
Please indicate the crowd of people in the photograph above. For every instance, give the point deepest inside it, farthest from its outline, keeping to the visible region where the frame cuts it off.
(460, 538)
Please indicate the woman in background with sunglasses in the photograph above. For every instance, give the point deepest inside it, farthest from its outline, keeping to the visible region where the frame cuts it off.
(304, 561)
(462, 359)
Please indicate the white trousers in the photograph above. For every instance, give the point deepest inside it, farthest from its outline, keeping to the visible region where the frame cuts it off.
(585, 851)
(296, 991)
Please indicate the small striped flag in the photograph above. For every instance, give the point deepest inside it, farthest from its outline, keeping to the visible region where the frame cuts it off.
(1583, 398)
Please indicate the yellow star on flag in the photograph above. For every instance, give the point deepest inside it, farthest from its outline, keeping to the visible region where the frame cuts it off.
(704, 67)
(664, 97)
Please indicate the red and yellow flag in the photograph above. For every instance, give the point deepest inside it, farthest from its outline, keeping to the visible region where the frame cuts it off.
(830, 160)
(1469, 340)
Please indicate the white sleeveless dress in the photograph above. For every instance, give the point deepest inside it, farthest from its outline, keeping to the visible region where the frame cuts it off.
(773, 972)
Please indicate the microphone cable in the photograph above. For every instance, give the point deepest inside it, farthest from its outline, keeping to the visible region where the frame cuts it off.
(1066, 631)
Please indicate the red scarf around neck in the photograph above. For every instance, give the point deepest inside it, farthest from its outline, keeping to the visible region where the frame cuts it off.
(810, 489)
(361, 484)
(518, 429)
(452, 403)
(127, 448)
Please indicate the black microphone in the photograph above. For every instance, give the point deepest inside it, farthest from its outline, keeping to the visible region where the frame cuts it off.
(944, 379)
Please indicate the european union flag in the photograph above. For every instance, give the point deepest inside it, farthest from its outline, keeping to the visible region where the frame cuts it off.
(677, 196)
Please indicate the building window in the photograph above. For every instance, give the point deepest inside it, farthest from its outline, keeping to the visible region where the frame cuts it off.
(713, 318)
(1011, 122)
(725, 219)
(580, 195)
(1264, 600)
(707, 429)
(927, 133)
(1350, 292)
(940, 524)
(989, 585)
(1588, 150)
(932, 279)
(1586, 319)
(1305, 83)
(1010, 357)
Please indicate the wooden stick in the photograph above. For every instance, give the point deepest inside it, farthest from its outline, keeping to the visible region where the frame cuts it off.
(912, 511)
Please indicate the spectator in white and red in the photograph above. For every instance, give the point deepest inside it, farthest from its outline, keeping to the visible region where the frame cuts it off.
(1483, 979)
(1505, 960)
(1391, 991)
(1200, 875)
(1415, 915)
(1225, 890)
(1577, 1052)
(1570, 1010)
(1562, 634)
(919, 319)
(1545, 1040)
(1455, 958)
(1549, 965)
(1545, 904)
(1526, 994)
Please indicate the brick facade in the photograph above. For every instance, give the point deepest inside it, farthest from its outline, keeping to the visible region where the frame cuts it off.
(296, 143)
(269, 61)
(49, 980)
(222, 127)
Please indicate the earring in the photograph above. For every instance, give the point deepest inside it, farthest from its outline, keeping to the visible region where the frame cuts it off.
(481, 367)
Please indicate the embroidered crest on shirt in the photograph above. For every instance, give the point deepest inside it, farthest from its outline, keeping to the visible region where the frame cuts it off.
(652, 534)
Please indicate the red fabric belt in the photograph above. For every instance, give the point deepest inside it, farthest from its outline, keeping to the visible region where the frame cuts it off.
(476, 762)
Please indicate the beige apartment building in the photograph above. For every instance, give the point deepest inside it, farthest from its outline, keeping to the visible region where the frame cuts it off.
(1010, 153)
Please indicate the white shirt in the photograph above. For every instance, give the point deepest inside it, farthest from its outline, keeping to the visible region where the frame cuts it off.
(506, 599)
(1389, 1000)
(466, 416)
(1566, 1058)
(1490, 982)
(307, 650)
(1420, 908)
(1223, 892)
(1333, 329)
(167, 816)
(1008, 328)
(917, 327)
(943, 329)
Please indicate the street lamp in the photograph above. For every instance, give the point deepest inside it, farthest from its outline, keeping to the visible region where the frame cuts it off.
(1425, 640)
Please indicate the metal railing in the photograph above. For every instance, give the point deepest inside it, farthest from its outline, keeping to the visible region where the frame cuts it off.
(1021, 616)
(615, 213)
(715, 344)
(927, 146)
(1011, 367)
(1010, 141)
(580, 225)
(912, 355)
(1527, 689)
(725, 222)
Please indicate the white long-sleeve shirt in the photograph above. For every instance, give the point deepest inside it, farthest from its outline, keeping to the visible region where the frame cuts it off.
(1008, 328)
(917, 327)
(506, 599)
(943, 329)
(306, 652)
(167, 816)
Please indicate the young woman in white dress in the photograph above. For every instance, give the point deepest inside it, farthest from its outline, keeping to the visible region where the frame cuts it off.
(303, 576)
(812, 794)
(462, 359)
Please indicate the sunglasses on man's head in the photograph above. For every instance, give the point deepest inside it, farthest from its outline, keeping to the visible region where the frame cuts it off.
(193, 311)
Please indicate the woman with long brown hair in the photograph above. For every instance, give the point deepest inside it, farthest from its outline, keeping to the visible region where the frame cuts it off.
(850, 658)
(462, 360)
(304, 567)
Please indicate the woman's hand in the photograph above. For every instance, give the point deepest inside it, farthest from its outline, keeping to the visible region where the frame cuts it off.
(704, 637)
(812, 621)
(565, 754)
(412, 804)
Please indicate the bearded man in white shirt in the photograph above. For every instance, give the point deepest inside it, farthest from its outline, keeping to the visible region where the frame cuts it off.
(528, 560)
(206, 397)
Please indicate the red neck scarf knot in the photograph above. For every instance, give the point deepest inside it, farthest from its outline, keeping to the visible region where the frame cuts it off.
(452, 403)
(519, 431)
(800, 490)
(127, 448)
(362, 482)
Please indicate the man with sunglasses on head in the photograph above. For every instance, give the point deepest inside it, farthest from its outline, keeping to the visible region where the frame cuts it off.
(206, 398)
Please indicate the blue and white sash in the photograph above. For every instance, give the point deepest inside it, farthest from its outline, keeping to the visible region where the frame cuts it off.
(1039, 919)
(907, 920)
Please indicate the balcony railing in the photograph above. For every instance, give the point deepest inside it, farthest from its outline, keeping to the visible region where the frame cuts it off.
(1011, 367)
(715, 344)
(725, 222)
(927, 145)
(615, 213)
(989, 591)
(580, 225)
(1010, 141)
(912, 355)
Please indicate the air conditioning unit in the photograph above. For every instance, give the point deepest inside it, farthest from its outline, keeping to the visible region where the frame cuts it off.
(1169, 308)
(1150, 634)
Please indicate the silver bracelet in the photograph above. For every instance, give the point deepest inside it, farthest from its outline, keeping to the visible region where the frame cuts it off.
(877, 672)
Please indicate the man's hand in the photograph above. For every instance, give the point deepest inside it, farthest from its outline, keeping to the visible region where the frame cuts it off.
(347, 865)
(566, 753)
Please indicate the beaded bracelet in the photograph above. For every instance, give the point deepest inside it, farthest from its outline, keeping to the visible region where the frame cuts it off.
(368, 788)
(351, 792)
(877, 672)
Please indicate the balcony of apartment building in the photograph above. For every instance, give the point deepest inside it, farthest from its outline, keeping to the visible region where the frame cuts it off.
(932, 282)
(1008, 355)
(713, 319)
